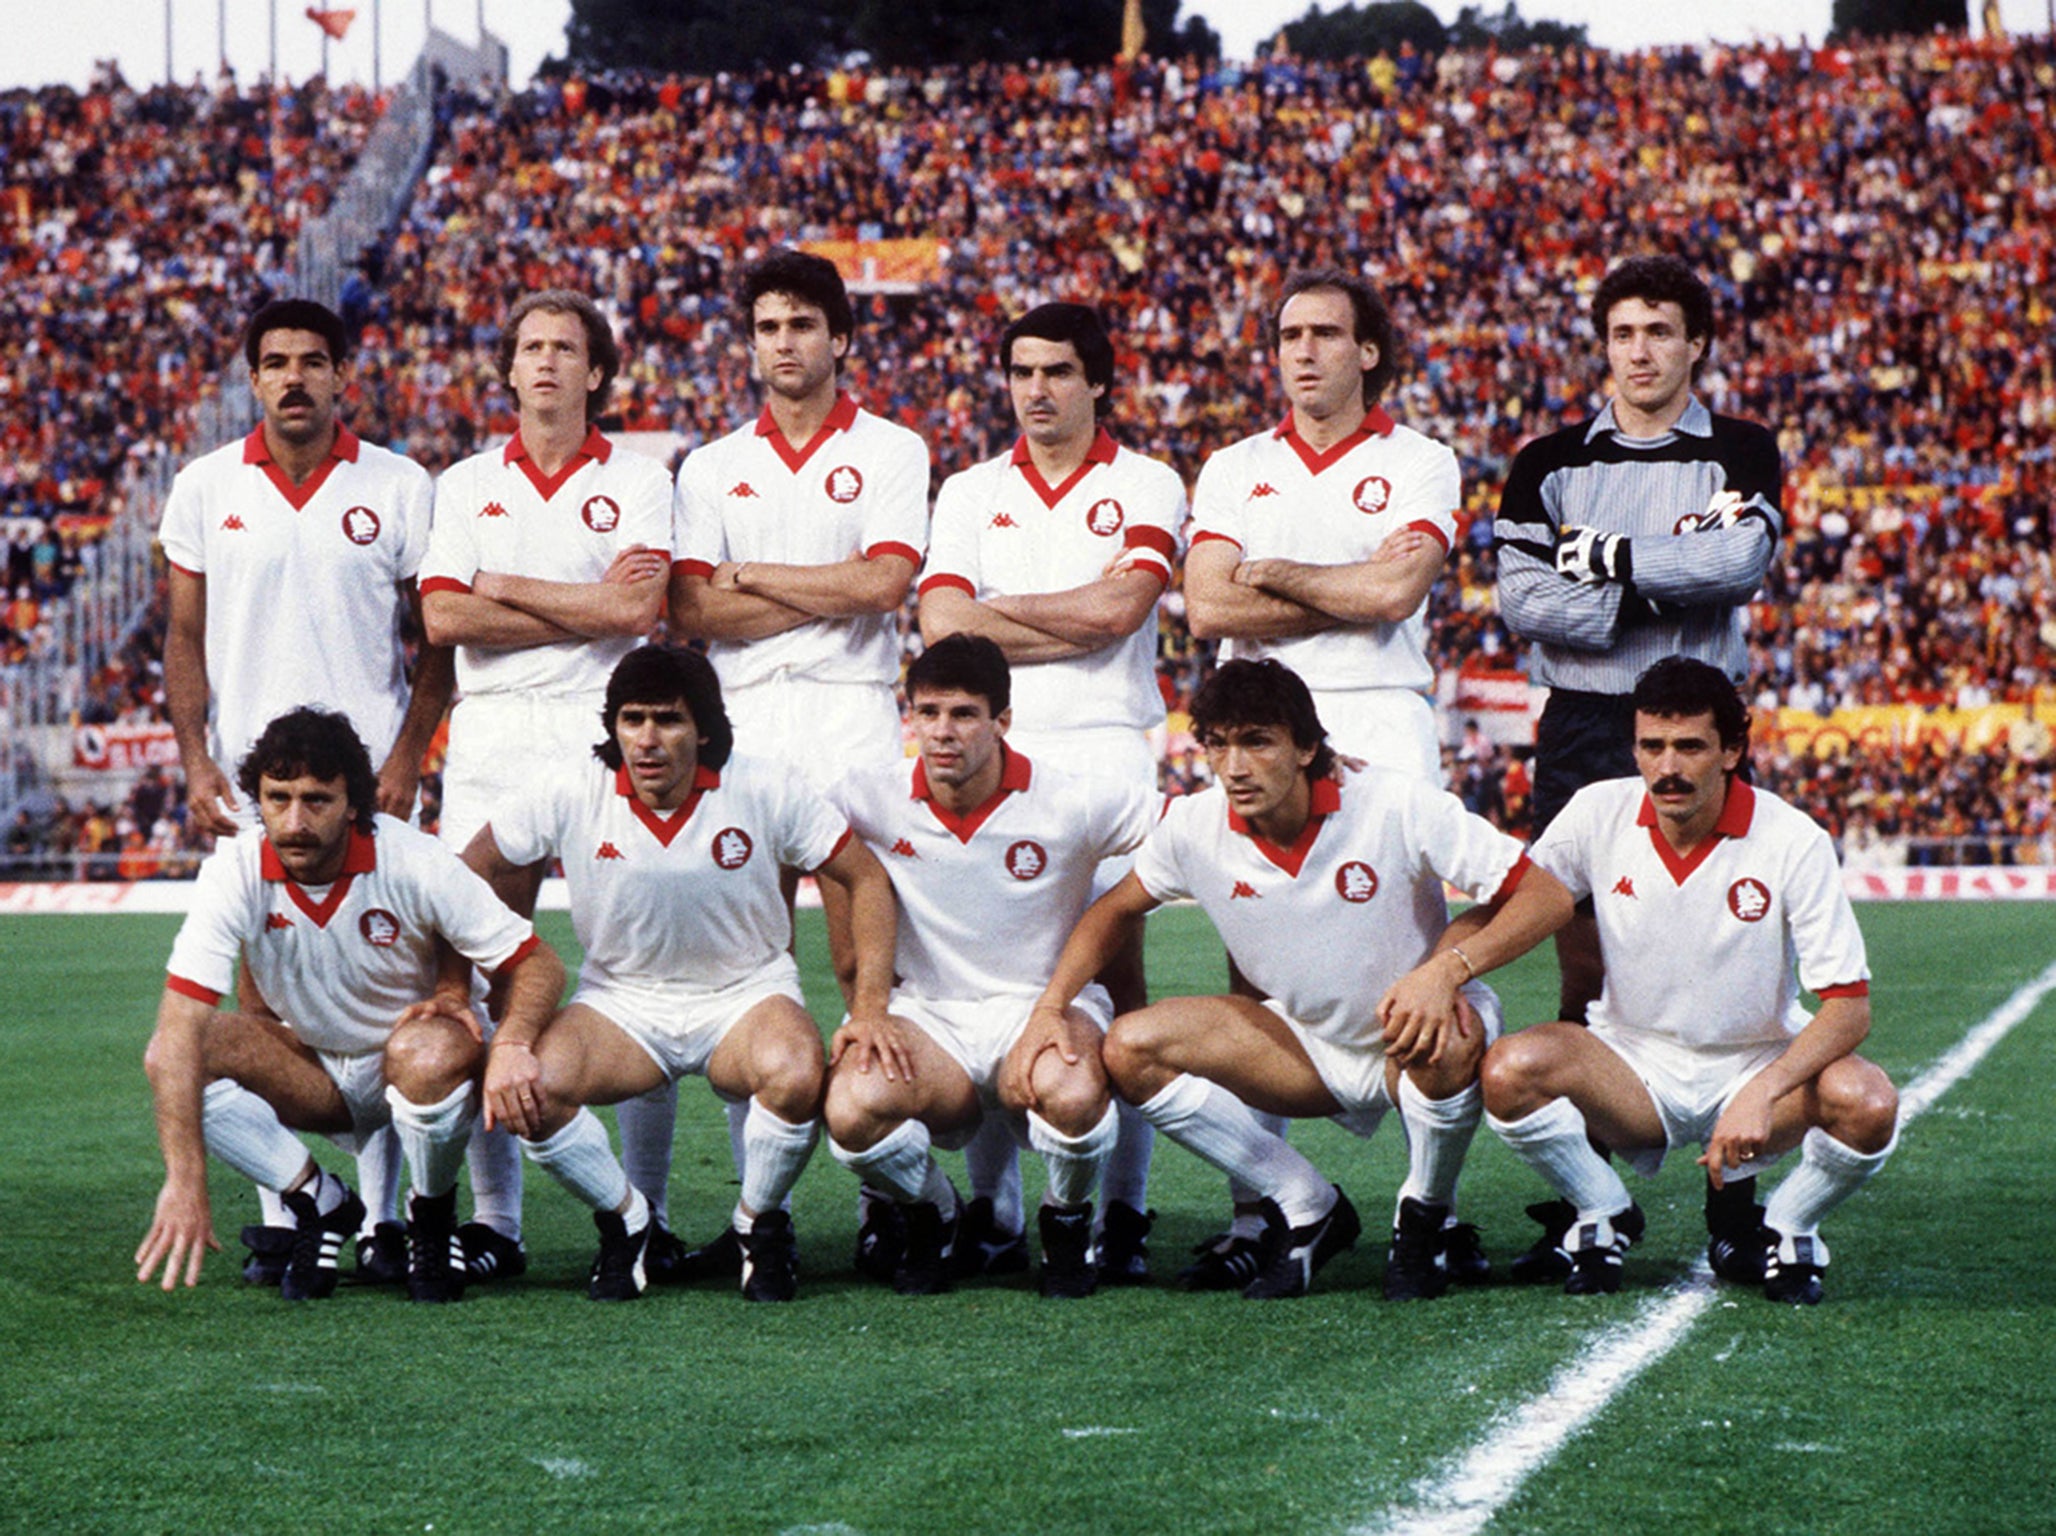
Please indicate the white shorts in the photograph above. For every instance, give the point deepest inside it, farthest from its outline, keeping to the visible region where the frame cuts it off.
(1689, 1088)
(498, 741)
(680, 1026)
(978, 1035)
(1111, 752)
(1386, 727)
(822, 729)
(361, 1079)
(1355, 1074)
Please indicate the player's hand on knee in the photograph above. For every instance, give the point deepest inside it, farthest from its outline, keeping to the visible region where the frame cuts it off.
(442, 1005)
(878, 1041)
(513, 1088)
(1740, 1134)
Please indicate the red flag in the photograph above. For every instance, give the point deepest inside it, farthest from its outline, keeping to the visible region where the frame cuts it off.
(334, 23)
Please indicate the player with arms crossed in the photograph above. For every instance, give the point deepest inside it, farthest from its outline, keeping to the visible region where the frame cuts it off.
(337, 911)
(1642, 533)
(1717, 902)
(291, 561)
(992, 858)
(797, 540)
(547, 563)
(1296, 867)
(1058, 551)
(672, 848)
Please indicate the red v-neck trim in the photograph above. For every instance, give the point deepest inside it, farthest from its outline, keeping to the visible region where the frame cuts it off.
(297, 494)
(841, 417)
(1014, 774)
(1102, 451)
(666, 826)
(1377, 423)
(360, 857)
(1326, 801)
(1735, 816)
(594, 450)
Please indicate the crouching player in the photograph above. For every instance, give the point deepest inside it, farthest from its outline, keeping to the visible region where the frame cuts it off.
(1709, 894)
(336, 911)
(672, 849)
(1324, 889)
(992, 858)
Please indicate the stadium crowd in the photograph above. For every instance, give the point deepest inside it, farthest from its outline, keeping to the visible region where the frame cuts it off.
(1878, 223)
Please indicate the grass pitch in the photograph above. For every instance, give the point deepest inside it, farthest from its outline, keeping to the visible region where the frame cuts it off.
(1919, 1397)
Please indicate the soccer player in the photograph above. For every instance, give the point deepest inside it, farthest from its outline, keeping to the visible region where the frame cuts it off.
(1058, 551)
(291, 562)
(1711, 895)
(337, 910)
(673, 850)
(1642, 533)
(1297, 867)
(546, 564)
(798, 537)
(992, 857)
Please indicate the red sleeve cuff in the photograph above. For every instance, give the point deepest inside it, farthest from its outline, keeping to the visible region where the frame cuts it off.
(954, 583)
(1158, 539)
(840, 844)
(1513, 879)
(1846, 989)
(192, 989)
(692, 568)
(1208, 536)
(196, 575)
(444, 584)
(528, 947)
(906, 552)
(1433, 530)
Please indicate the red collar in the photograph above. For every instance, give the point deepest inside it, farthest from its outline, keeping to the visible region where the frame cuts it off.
(360, 857)
(257, 451)
(1102, 451)
(841, 417)
(1376, 423)
(665, 825)
(1014, 774)
(1326, 800)
(1736, 813)
(596, 449)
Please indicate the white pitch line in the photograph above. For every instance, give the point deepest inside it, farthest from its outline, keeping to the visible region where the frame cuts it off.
(1523, 1440)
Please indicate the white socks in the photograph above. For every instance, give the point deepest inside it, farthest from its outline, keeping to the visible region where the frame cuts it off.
(1828, 1173)
(434, 1136)
(1553, 1142)
(579, 1158)
(244, 1132)
(378, 1176)
(775, 1152)
(1438, 1134)
(902, 1166)
(1074, 1161)
(647, 1123)
(992, 1161)
(1127, 1171)
(1212, 1123)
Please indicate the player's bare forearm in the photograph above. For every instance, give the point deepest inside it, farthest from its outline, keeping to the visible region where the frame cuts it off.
(596, 610)
(465, 618)
(1381, 590)
(874, 924)
(1093, 616)
(1219, 607)
(181, 1230)
(399, 776)
(944, 611)
(1095, 941)
(533, 988)
(1841, 1025)
(702, 611)
(854, 588)
(1479, 940)
(517, 885)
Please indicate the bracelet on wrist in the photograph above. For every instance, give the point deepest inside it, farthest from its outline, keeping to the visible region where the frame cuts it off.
(1470, 972)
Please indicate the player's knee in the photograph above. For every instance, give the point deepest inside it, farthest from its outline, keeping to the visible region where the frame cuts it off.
(858, 1109)
(427, 1058)
(790, 1079)
(1512, 1075)
(1072, 1096)
(1132, 1054)
(1859, 1104)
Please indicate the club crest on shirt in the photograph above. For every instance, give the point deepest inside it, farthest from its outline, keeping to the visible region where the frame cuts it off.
(380, 928)
(1356, 881)
(602, 514)
(1105, 517)
(361, 525)
(732, 847)
(1026, 859)
(1373, 494)
(844, 484)
(1749, 900)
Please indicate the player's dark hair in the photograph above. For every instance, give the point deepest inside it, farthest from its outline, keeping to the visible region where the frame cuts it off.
(1080, 325)
(1678, 687)
(296, 315)
(321, 744)
(964, 663)
(1262, 693)
(601, 350)
(1658, 280)
(668, 674)
(1374, 322)
(802, 276)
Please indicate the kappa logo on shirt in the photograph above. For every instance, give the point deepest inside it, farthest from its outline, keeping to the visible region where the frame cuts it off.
(1749, 900)
(845, 483)
(906, 850)
(361, 525)
(1263, 488)
(745, 490)
(380, 928)
(1624, 887)
(492, 509)
(233, 523)
(732, 847)
(1105, 517)
(602, 514)
(1244, 891)
(609, 851)
(1026, 859)
(1356, 881)
(1002, 520)
(1373, 494)
(276, 920)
